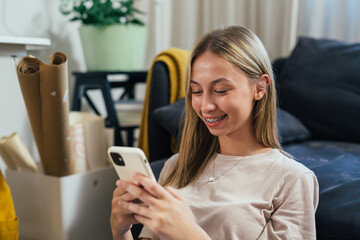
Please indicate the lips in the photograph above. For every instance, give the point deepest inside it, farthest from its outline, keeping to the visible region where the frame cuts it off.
(214, 120)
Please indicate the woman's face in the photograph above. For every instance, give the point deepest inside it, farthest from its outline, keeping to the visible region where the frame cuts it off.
(222, 95)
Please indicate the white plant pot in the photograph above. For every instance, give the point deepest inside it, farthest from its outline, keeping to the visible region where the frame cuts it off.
(115, 47)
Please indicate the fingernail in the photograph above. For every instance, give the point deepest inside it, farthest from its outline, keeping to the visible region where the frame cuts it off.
(118, 182)
(135, 180)
(135, 175)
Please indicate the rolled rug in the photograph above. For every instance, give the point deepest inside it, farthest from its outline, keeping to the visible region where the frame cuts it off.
(45, 92)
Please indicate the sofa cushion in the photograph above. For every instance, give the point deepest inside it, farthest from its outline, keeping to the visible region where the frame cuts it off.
(320, 85)
(170, 116)
(337, 168)
(290, 128)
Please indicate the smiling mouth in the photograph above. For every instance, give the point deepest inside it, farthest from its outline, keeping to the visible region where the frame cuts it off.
(214, 120)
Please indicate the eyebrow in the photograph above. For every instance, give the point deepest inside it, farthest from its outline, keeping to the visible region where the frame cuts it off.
(212, 82)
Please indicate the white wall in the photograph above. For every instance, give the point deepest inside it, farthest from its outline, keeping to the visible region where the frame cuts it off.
(12, 109)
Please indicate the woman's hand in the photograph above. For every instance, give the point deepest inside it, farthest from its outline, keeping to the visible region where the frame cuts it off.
(163, 210)
(121, 219)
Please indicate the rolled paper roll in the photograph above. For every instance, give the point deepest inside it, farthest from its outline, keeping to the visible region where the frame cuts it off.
(16, 155)
(29, 78)
(45, 92)
(10, 163)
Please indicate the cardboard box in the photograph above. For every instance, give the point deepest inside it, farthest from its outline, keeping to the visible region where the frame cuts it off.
(73, 207)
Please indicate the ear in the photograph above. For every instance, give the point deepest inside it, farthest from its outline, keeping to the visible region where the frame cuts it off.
(261, 86)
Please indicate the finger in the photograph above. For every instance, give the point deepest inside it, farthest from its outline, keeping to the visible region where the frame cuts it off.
(174, 193)
(137, 192)
(121, 194)
(151, 186)
(117, 206)
(117, 210)
(142, 219)
(118, 182)
(135, 208)
(118, 192)
(127, 197)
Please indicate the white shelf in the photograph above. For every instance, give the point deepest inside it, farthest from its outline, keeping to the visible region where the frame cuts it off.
(17, 46)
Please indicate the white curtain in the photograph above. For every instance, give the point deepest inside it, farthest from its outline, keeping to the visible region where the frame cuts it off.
(333, 19)
(278, 23)
(183, 21)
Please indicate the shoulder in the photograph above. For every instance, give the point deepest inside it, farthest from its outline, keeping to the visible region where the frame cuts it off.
(171, 162)
(291, 173)
(283, 164)
(276, 167)
(168, 166)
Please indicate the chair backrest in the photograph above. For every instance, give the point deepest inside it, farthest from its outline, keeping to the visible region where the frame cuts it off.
(165, 85)
(159, 138)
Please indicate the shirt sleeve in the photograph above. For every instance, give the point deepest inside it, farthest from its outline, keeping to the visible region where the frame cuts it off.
(145, 232)
(294, 211)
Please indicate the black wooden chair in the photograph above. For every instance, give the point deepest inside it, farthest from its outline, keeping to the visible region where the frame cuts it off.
(86, 81)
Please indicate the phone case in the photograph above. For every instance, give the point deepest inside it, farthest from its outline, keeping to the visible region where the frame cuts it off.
(127, 160)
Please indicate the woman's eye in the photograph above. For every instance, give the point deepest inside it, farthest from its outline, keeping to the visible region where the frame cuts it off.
(222, 91)
(196, 92)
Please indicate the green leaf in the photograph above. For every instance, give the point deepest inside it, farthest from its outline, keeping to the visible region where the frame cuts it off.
(74, 19)
(99, 12)
(138, 11)
(137, 21)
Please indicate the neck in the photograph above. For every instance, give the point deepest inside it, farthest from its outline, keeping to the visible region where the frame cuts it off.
(239, 146)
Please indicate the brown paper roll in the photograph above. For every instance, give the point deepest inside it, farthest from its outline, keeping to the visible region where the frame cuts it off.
(10, 163)
(14, 153)
(29, 78)
(45, 91)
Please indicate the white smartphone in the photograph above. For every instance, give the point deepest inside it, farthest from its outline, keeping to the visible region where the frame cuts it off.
(127, 160)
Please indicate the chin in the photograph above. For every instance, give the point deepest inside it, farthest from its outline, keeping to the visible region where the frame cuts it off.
(216, 132)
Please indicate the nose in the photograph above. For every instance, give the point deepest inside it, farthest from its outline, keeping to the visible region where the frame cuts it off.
(207, 104)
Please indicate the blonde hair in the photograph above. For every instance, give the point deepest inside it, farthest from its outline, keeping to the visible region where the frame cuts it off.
(244, 50)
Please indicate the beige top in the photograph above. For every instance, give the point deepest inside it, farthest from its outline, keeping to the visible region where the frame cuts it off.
(264, 196)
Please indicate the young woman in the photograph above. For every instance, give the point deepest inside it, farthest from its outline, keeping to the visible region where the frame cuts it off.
(231, 179)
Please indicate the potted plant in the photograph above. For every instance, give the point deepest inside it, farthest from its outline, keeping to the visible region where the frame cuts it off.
(113, 39)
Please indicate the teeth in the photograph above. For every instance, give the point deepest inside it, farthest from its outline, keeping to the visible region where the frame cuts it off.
(213, 120)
